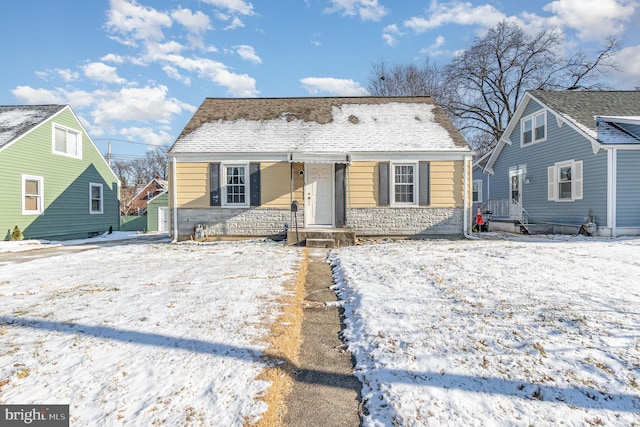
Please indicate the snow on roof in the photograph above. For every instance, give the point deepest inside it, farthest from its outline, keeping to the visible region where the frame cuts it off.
(401, 125)
(609, 131)
(15, 120)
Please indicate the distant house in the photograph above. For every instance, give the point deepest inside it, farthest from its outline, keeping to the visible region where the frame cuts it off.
(375, 166)
(568, 159)
(158, 213)
(138, 203)
(54, 183)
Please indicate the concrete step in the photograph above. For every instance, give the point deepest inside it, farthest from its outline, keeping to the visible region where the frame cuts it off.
(321, 243)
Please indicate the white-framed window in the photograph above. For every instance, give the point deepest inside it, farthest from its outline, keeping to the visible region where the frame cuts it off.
(565, 181)
(533, 128)
(235, 188)
(404, 183)
(96, 200)
(67, 141)
(32, 195)
(477, 191)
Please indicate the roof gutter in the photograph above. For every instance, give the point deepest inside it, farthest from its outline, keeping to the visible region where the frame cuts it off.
(174, 198)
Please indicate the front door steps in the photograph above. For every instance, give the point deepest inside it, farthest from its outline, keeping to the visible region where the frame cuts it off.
(321, 237)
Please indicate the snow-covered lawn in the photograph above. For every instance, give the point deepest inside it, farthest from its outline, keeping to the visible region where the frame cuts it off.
(143, 334)
(492, 333)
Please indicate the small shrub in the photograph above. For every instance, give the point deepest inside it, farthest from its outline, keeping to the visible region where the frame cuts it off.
(16, 234)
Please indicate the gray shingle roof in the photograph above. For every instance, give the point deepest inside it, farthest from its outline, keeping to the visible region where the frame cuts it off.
(16, 120)
(315, 124)
(583, 106)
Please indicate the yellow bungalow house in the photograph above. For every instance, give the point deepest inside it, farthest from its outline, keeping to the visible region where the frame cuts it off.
(369, 166)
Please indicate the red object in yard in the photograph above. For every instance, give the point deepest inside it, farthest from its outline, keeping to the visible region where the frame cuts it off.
(479, 217)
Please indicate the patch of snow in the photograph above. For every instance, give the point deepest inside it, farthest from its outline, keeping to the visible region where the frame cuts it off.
(143, 334)
(394, 126)
(542, 331)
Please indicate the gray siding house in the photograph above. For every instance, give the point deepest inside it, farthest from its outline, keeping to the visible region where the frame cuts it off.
(568, 159)
(54, 183)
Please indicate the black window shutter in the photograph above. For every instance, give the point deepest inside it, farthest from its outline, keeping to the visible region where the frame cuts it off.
(340, 194)
(423, 176)
(254, 180)
(383, 169)
(214, 184)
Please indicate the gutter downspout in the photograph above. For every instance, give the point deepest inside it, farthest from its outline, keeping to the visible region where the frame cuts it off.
(174, 198)
(465, 212)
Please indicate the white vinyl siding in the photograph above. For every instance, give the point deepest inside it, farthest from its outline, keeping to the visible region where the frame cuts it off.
(533, 128)
(67, 141)
(32, 195)
(564, 181)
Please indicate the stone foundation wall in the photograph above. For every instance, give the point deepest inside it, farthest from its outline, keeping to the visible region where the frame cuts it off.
(405, 221)
(234, 222)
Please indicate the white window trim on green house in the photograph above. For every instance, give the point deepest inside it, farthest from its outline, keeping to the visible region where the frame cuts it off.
(39, 196)
(67, 147)
(536, 125)
(557, 179)
(477, 191)
(93, 198)
(225, 184)
(412, 182)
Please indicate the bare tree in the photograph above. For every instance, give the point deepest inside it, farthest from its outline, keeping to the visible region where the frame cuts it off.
(405, 80)
(482, 87)
(136, 173)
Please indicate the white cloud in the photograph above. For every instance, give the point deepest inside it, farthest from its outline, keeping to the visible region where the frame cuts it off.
(434, 49)
(102, 73)
(456, 12)
(128, 18)
(628, 78)
(173, 73)
(593, 19)
(235, 23)
(31, 96)
(333, 86)
(147, 135)
(195, 23)
(237, 84)
(389, 34)
(136, 104)
(368, 10)
(234, 6)
(68, 75)
(248, 53)
(112, 57)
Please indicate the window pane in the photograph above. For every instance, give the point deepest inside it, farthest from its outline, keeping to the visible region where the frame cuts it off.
(31, 187)
(95, 192)
(61, 140)
(540, 133)
(95, 205)
(527, 136)
(565, 173)
(72, 143)
(31, 203)
(565, 190)
(403, 186)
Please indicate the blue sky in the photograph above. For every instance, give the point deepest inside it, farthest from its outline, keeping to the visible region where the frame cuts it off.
(135, 71)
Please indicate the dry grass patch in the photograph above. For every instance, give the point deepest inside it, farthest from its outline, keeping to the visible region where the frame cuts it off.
(283, 352)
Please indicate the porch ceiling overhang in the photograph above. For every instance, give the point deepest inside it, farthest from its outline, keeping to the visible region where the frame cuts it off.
(319, 158)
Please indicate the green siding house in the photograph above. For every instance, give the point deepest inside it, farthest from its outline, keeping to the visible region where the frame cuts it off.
(54, 183)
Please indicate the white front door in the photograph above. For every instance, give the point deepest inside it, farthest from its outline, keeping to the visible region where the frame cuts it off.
(515, 194)
(318, 189)
(163, 219)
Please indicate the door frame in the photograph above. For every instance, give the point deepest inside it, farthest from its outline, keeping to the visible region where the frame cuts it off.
(166, 217)
(308, 193)
(515, 210)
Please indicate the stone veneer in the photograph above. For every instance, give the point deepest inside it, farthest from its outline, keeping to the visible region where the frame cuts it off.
(405, 221)
(364, 221)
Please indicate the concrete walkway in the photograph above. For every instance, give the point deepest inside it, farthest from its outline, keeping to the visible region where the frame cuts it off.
(325, 392)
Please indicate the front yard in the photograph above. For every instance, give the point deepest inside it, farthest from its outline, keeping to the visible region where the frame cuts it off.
(489, 332)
